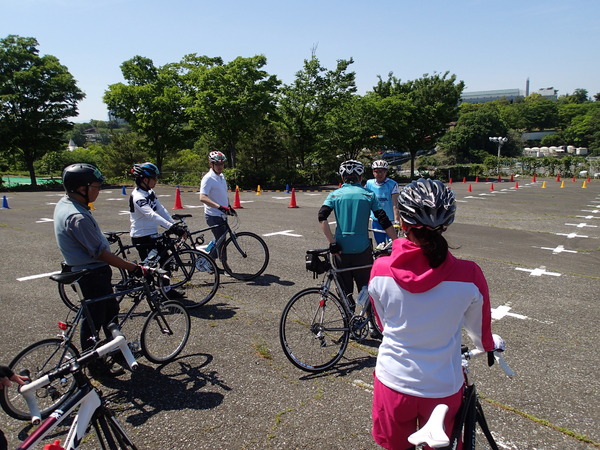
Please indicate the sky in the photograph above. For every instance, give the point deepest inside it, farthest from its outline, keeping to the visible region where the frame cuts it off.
(487, 44)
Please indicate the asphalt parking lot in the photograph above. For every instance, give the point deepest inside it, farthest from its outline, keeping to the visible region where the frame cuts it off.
(233, 388)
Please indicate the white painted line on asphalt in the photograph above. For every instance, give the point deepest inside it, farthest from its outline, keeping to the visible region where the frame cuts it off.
(281, 198)
(503, 311)
(51, 203)
(538, 272)
(44, 220)
(193, 206)
(470, 196)
(462, 201)
(593, 211)
(122, 213)
(361, 384)
(41, 275)
(581, 225)
(571, 235)
(115, 199)
(587, 217)
(557, 250)
(316, 193)
(284, 233)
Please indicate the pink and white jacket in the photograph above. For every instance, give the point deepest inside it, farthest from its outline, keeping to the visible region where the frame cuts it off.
(423, 311)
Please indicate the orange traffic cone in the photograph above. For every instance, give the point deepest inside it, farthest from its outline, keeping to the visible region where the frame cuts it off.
(543, 185)
(534, 179)
(584, 185)
(178, 204)
(574, 180)
(91, 206)
(492, 187)
(476, 179)
(450, 181)
(258, 190)
(469, 189)
(499, 178)
(512, 178)
(517, 185)
(293, 199)
(464, 179)
(236, 199)
(558, 177)
(562, 184)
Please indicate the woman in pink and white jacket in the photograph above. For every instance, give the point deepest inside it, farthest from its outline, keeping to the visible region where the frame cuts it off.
(424, 297)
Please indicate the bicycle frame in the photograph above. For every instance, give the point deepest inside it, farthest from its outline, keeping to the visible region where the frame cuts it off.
(86, 398)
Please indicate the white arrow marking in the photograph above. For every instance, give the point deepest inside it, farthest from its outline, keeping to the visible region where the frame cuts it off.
(571, 235)
(285, 233)
(557, 250)
(503, 310)
(581, 225)
(538, 272)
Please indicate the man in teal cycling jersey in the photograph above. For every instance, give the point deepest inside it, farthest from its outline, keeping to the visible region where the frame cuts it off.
(352, 205)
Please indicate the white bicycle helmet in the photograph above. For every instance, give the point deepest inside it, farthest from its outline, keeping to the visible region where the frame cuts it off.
(217, 156)
(351, 167)
(380, 164)
(427, 203)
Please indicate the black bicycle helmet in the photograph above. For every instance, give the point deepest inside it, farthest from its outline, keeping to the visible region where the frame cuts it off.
(351, 167)
(145, 170)
(80, 174)
(427, 203)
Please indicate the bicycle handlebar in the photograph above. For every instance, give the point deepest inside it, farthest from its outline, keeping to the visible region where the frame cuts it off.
(119, 342)
(469, 354)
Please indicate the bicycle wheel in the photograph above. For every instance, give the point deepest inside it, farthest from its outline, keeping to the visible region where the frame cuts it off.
(196, 272)
(35, 361)
(165, 332)
(70, 298)
(244, 256)
(314, 330)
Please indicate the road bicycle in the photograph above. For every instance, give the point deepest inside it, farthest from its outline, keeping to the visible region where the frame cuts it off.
(92, 409)
(316, 324)
(244, 254)
(469, 415)
(164, 334)
(190, 269)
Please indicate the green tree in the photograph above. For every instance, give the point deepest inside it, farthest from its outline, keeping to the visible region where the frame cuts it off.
(153, 103)
(228, 100)
(37, 96)
(305, 104)
(578, 96)
(431, 102)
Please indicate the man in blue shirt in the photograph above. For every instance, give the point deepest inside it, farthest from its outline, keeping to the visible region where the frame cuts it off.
(386, 191)
(352, 205)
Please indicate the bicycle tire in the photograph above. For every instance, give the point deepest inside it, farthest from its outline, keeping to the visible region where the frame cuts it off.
(165, 332)
(70, 298)
(244, 256)
(38, 359)
(310, 344)
(184, 270)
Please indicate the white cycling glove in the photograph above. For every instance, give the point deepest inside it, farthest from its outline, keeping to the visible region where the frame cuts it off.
(499, 344)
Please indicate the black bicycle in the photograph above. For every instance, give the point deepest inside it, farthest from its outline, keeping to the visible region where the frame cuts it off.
(244, 254)
(191, 270)
(164, 334)
(316, 324)
(469, 416)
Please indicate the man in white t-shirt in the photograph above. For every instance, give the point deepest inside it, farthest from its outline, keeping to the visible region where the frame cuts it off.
(213, 193)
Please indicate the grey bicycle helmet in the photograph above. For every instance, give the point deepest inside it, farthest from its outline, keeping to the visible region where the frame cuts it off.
(145, 170)
(351, 167)
(380, 164)
(80, 174)
(427, 203)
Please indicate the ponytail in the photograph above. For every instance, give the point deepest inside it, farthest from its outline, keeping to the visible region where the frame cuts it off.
(433, 244)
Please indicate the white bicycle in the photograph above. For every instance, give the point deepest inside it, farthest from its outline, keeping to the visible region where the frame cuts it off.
(90, 406)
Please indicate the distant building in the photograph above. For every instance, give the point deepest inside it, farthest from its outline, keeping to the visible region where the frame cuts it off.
(489, 96)
(72, 146)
